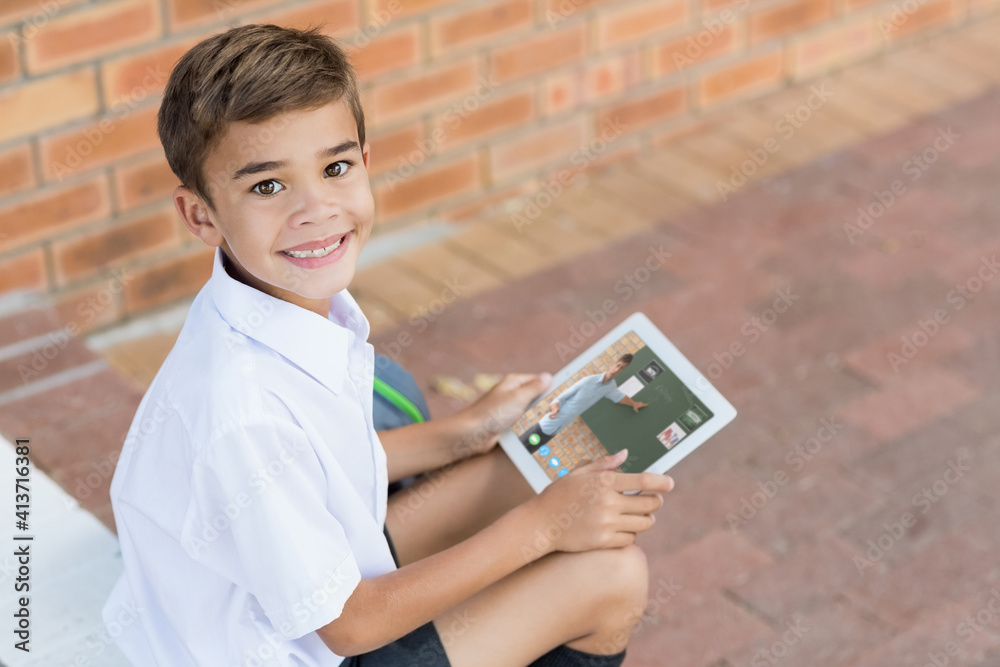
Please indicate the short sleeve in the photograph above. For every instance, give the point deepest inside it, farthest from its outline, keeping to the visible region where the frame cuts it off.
(614, 393)
(258, 515)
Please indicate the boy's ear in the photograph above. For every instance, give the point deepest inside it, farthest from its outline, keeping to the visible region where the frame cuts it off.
(194, 213)
(365, 154)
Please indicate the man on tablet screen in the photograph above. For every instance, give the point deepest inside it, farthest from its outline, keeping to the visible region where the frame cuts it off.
(573, 402)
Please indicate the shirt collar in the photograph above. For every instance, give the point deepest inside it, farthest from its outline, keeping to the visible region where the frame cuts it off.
(317, 345)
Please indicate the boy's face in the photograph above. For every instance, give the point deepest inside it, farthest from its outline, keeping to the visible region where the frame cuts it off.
(293, 206)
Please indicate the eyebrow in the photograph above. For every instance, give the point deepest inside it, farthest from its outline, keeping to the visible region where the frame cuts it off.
(257, 167)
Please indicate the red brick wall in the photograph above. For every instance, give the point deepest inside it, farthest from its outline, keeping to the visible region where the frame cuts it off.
(468, 102)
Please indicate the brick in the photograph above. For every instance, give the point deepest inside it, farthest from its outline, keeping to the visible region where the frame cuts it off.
(25, 271)
(53, 354)
(53, 210)
(388, 52)
(784, 19)
(906, 405)
(10, 66)
(540, 54)
(135, 76)
(616, 193)
(28, 323)
(475, 26)
(427, 187)
(558, 11)
(439, 263)
(945, 623)
(606, 79)
(728, 625)
(46, 102)
(557, 235)
(550, 144)
(644, 111)
(832, 48)
(897, 23)
(336, 18)
(142, 182)
(813, 573)
(716, 560)
(944, 573)
(91, 306)
(398, 8)
(504, 254)
(187, 13)
(93, 401)
(694, 49)
(873, 360)
(717, 9)
(17, 170)
(483, 204)
(402, 292)
(392, 150)
(486, 120)
(961, 84)
(421, 92)
(636, 22)
(112, 138)
(31, 14)
(562, 92)
(92, 32)
(91, 253)
(826, 637)
(748, 77)
(169, 280)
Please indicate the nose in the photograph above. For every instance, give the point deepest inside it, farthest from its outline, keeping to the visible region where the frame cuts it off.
(314, 203)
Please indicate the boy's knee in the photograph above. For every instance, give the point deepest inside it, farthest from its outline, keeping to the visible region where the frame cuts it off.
(623, 573)
(632, 571)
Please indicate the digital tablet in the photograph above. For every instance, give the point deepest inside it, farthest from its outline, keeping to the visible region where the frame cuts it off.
(631, 389)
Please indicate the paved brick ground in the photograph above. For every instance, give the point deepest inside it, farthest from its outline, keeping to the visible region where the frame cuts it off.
(901, 424)
(784, 583)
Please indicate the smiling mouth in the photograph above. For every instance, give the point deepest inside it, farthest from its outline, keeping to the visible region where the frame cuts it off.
(319, 252)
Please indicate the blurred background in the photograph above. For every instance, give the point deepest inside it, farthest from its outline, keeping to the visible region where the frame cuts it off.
(801, 194)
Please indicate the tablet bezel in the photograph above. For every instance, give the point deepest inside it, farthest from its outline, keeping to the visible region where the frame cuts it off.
(723, 410)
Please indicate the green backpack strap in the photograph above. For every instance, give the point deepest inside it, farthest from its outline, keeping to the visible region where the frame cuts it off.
(392, 395)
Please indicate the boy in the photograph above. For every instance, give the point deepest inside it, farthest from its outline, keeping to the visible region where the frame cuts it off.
(250, 497)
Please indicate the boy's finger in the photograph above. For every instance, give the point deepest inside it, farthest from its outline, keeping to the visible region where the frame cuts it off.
(634, 523)
(641, 503)
(643, 481)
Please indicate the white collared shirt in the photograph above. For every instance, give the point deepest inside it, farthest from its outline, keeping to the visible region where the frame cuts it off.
(250, 496)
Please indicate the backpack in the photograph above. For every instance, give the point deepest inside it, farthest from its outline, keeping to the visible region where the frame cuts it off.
(397, 402)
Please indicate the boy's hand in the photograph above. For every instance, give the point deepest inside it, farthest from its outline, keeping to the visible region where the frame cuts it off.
(587, 508)
(497, 410)
(553, 410)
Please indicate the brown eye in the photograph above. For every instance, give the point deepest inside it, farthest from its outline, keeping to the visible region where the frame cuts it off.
(337, 168)
(268, 187)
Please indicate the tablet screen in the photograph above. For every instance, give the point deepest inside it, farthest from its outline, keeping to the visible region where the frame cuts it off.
(626, 397)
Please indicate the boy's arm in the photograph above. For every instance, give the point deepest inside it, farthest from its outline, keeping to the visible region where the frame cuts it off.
(417, 448)
(384, 608)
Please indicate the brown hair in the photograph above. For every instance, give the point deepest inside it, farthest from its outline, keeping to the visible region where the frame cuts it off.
(627, 358)
(248, 73)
